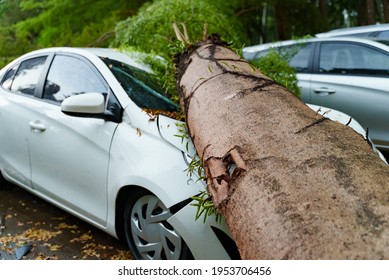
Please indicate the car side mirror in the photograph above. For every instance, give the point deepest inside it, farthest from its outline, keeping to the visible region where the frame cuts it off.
(89, 104)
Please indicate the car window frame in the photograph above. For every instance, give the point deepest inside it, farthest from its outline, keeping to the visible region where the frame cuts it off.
(79, 57)
(310, 59)
(113, 108)
(40, 79)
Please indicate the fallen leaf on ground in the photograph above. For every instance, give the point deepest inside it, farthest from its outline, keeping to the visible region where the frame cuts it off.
(83, 238)
(39, 234)
(66, 226)
(122, 255)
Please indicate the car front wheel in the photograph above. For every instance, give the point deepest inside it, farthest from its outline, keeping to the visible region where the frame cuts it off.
(147, 232)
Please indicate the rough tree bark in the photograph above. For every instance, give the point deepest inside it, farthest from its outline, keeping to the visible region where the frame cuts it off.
(290, 183)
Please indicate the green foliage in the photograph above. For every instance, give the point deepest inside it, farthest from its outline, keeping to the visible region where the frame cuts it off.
(26, 25)
(275, 66)
(151, 31)
(68, 22)
(196, 167)
(205, 207)
(203, 202)
(10, 46)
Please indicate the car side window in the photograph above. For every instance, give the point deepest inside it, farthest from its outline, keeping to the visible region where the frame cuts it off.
(343, 58)
(70, 76)
(9, 77)
(24, 78)
(299, 56)
(383, 35)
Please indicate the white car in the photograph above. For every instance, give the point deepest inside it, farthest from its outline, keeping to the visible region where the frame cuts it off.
(77, 129)
(345, 119)
(347, 74)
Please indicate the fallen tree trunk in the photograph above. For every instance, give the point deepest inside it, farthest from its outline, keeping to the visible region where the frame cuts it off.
(290, 183)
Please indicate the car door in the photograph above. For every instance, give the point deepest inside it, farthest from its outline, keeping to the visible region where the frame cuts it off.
(70, 155)
(353, 78)
(17, 103)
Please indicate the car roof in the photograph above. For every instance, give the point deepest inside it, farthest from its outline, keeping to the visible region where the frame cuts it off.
(249, 51)
(349, 31)
(130, 58)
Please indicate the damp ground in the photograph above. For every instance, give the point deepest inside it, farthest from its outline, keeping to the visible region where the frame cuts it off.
(32, 229)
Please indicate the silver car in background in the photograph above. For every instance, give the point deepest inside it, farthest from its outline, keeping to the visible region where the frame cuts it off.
(373, 31)
(347, 74)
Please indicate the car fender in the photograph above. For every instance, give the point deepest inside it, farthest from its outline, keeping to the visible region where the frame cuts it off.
(133, 162)
(190, 229)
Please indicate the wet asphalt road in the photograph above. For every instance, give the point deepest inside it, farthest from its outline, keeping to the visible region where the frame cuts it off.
(31, 228)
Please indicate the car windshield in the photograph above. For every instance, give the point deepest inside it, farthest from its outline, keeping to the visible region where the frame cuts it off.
(140, 86)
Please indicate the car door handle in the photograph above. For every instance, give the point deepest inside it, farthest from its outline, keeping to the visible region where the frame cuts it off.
(37, 126)
(324, 91)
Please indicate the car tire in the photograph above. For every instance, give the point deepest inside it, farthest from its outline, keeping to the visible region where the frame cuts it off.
(147, 232)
